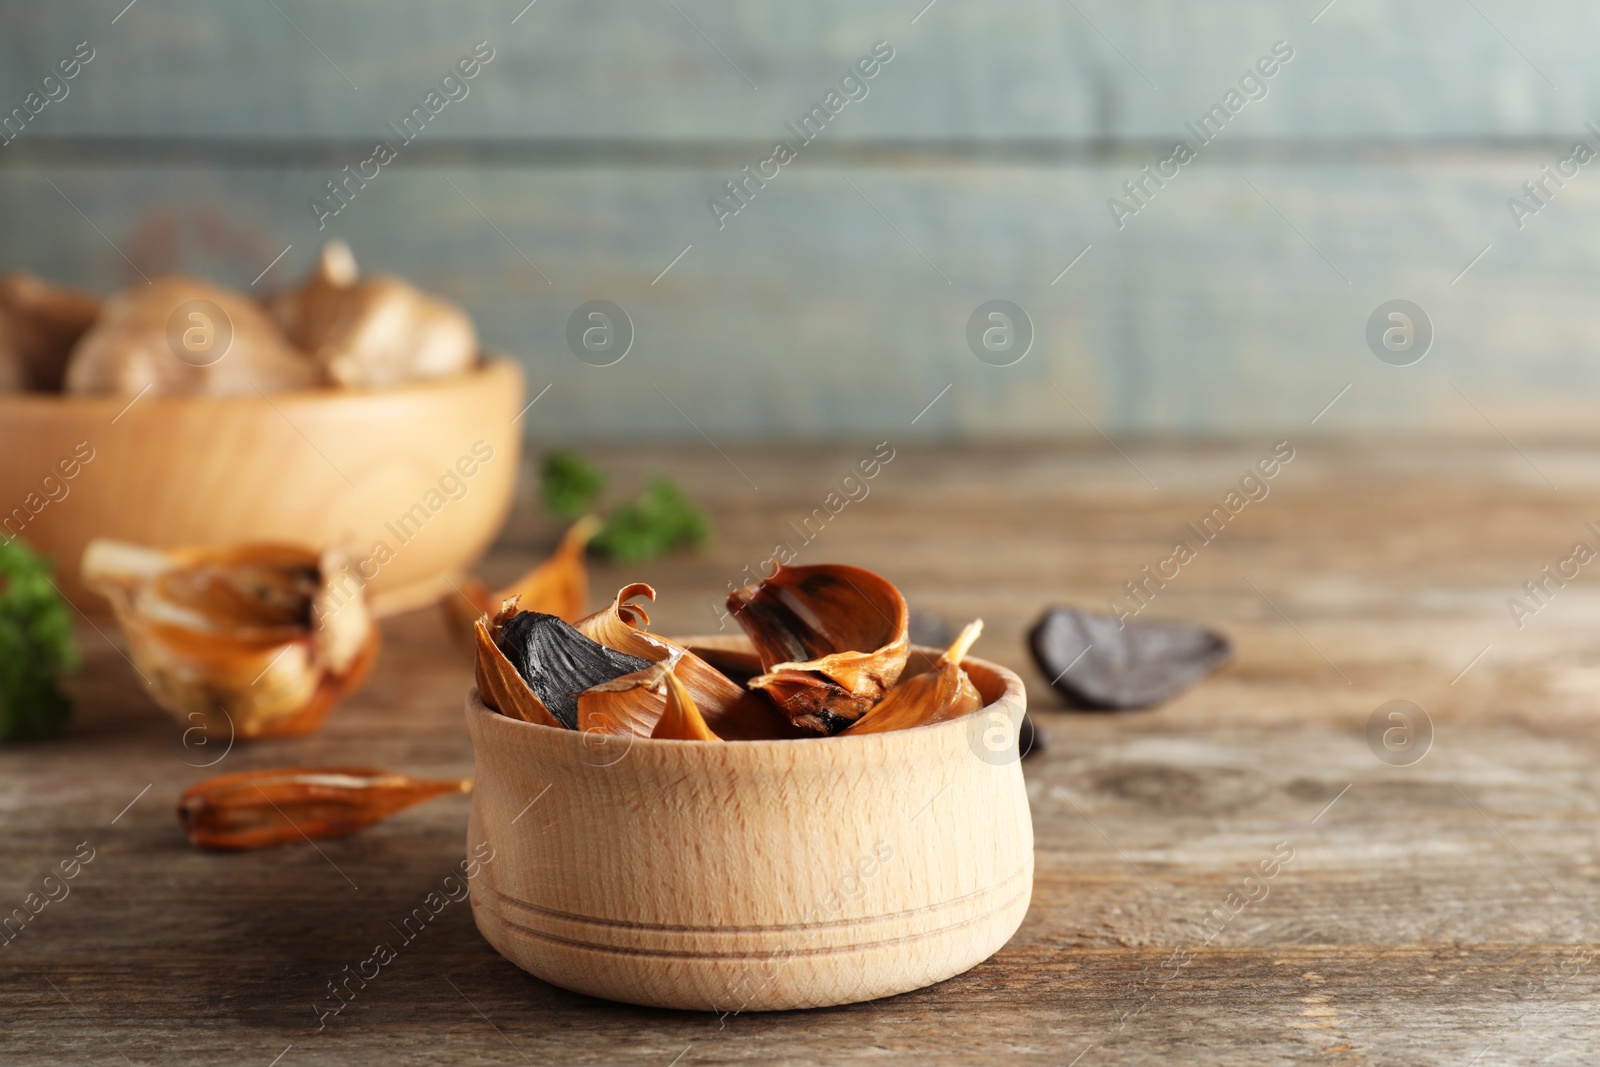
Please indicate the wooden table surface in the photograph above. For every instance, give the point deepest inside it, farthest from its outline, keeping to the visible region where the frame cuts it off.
(1430, 913)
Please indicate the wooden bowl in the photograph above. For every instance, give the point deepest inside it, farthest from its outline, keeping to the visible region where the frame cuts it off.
(319, 468)
(753, 875)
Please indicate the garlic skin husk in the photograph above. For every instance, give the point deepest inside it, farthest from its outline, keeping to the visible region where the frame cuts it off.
(374, 332)
(288, 805)
(632, 704)
(558, 586)
(832, 641)
(681, 719)
(732, 711)
(250, 641)
(39, 324)
(653, 703)
(939, 694)
(133, 346)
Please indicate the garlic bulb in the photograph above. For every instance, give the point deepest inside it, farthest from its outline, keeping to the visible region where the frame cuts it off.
(181, 336)
(374, 332)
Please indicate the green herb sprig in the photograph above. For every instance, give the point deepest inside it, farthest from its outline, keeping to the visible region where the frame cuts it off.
(36, 647)
(659, 520)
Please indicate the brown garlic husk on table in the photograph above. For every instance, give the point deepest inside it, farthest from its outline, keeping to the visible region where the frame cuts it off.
(559, 586)
(374, 332)
(832, 640)
(939, 694)
(39, 325)
(732, 711)
(249, 641)
(180, 336)
(287, 805)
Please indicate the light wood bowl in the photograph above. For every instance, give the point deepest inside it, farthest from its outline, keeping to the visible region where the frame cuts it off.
(318, 468)
(753, 875)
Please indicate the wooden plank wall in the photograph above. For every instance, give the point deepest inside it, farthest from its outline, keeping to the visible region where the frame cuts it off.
(1377, 165)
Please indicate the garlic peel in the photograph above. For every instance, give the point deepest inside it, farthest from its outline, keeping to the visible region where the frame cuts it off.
(733, 711)
(681, 719)
(559, 586)
(831, 639)
(632, 704)
(938, 694)
(259, 809)
(249, 641)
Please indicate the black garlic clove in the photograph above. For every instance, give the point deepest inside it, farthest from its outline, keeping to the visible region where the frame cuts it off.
(1097, 662)
(558, 662)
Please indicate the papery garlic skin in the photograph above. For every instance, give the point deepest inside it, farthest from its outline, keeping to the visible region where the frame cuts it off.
(732, 711)
(240, 642)
(942, 693)
(832, 640)
(263, 808)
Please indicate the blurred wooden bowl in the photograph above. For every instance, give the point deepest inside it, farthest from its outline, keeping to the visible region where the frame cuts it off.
(753, 875)
(383, 473)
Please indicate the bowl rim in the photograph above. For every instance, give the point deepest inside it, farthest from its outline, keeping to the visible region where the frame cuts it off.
(491, 364)
(1013, 696)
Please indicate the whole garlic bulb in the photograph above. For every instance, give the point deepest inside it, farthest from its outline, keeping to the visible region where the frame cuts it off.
(183, 336)
(374, 332)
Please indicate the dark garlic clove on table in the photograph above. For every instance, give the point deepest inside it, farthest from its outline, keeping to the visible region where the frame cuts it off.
(1097, 662)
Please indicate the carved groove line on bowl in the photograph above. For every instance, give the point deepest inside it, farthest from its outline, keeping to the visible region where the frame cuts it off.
(858, 946)
(1024, 871)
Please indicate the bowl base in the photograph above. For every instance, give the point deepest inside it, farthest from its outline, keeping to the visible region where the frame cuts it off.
(730, 971)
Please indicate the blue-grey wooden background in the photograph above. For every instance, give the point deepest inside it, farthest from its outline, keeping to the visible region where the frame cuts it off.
(1377, 167)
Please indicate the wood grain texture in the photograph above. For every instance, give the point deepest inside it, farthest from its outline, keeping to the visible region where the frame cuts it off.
(1433, 914)
(1209, 313)
(1095, 70)
(781, 874)
(1382, 160)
